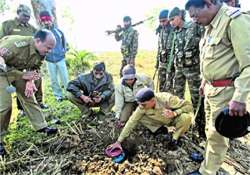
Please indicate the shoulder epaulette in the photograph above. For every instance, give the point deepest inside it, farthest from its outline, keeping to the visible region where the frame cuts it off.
(21, 43)
(233, 12)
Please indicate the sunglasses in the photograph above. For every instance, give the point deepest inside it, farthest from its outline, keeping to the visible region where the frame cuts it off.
(98, 73)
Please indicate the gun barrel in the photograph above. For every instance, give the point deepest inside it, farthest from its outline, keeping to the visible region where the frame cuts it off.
(109, 32)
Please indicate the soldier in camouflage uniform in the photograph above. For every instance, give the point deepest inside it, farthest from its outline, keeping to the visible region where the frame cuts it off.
(20, 58)
(129, 46)
(165, 76)
(125, 92)
(94, 89)
(20, 26)
(186, 61)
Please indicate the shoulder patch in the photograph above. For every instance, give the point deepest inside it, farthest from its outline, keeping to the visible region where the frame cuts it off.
(233, 12)
(21, 43)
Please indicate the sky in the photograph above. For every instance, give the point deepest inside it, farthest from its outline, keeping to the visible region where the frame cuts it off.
(92, 18)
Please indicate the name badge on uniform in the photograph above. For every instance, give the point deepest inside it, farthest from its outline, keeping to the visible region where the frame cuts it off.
(16, 30)
(209, 39)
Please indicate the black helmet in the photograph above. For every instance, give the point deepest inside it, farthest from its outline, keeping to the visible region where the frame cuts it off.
(231, 126)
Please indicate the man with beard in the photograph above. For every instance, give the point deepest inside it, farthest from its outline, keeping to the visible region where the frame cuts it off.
(56, 59)
(94, 89)
(163, 63)
(20, 26)
(225, 69)
(129, 46)
(20, 58)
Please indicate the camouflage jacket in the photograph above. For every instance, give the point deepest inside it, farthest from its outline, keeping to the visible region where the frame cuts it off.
(129, 44)
(186, 49)
(20, 55)
(14, 27)
(86, 84)
(165, 38)
(124, 94)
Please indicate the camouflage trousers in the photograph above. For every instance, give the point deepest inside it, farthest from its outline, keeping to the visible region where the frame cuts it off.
(192, 76)
(125, 61)
(165, 80)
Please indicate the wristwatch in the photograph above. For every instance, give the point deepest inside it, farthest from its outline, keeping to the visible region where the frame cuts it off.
(3, 67)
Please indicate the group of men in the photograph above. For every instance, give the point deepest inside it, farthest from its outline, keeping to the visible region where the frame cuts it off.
(23, 48)
(211, 54)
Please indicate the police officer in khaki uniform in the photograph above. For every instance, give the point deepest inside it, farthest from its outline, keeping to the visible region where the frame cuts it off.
(157, 110)
(125, 92)
(20, 26)
(20, 57)
(225, 69)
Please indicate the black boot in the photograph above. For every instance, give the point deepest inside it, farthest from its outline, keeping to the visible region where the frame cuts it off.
(48, 130)
(2, 150)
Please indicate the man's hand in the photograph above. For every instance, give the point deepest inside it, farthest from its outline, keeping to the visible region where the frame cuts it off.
(119, 124)
(169, 113)
(30, 88)
(237, 108)
(31, 75)
(97, 99)
(86, 99)
(201, 88)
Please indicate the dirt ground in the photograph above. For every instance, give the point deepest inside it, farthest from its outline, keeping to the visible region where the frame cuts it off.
(80, 150)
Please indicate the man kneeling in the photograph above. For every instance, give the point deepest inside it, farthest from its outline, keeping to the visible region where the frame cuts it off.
(159, 110)
(94, 89)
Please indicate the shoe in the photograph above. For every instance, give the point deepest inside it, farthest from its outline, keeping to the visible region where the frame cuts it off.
(59, 99)
(48, 130)
(196, 157)
(21, 113)
(194, 173)
(44, 106)
(173, 145)
(2, 150)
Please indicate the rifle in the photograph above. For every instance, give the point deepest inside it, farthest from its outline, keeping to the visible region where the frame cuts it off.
(109, 32)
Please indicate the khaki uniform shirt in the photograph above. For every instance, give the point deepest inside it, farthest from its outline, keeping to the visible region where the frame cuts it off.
(124, 94)
(21, 55)
(14, 27)
(155, 116)
(225, 50)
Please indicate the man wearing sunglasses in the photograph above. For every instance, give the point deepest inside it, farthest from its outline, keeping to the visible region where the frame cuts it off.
(125, 91)
(94, 89)
(158, 110)
(165, 37)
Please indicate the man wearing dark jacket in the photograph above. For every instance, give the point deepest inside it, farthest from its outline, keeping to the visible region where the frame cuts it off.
(94, 89)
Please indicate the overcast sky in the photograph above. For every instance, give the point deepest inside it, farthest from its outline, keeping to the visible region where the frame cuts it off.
(93, 17)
